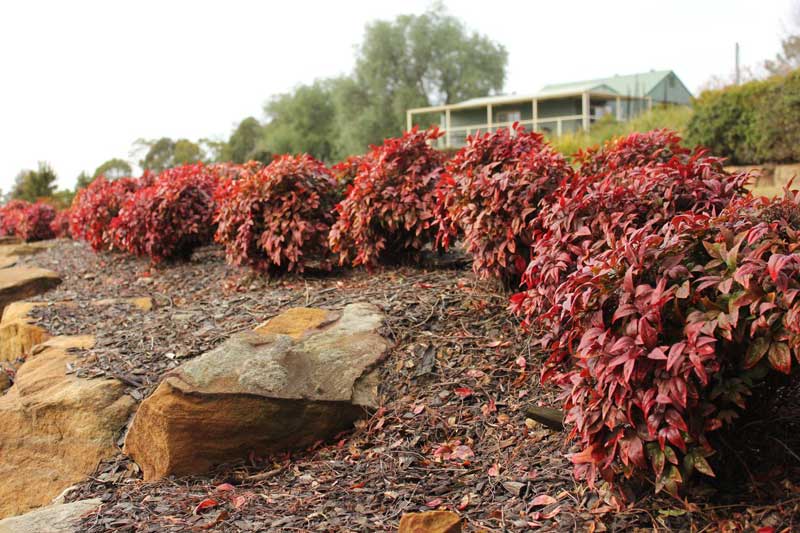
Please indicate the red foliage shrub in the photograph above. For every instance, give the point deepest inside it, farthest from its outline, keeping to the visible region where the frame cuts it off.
(345, 172)
(277, 216)
(590, 213)
(34, 225)
(60, 225)
(95, 206)
(388, 212)
(171, 217)
(491, 190)
(11, 214)
(669, 330)
(634, 150)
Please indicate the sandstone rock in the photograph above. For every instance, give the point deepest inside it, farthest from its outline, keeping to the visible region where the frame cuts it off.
(144, 303)
(61, 518)
(18, 332)
(5, 380)
(8, 261)
(18, 283)
(10, 239)
(303, 376)
(25, 248)
(430, 522)
(55, 427)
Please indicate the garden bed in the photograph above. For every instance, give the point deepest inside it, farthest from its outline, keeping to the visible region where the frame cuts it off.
(452, 432)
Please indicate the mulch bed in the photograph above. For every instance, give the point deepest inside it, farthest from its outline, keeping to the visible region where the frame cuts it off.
(452, 432)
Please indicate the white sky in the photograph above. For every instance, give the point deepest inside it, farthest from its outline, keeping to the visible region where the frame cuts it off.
(81, 80)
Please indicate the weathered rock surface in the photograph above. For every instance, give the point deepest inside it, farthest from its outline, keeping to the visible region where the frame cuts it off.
(54, 427)
(8, 261)
(430, 522)
(60, 518)
(24, 248)
(18, 332)
(18, 283)
(303, 376)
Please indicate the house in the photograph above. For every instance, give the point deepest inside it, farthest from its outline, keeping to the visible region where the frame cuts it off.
(556, 109)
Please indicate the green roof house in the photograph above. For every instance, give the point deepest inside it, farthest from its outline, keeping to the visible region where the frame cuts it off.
(557, 108)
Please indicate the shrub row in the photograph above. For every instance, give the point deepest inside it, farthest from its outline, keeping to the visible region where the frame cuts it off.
(661, 292)
(30, 221)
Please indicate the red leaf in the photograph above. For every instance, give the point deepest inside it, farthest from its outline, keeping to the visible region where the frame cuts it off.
(205, 504)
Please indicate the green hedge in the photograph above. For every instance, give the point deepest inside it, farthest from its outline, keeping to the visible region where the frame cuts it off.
(756, 122)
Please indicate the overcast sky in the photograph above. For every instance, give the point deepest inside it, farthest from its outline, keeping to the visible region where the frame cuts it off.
(80, 81)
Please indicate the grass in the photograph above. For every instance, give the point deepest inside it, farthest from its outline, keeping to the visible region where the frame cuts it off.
(672, 117)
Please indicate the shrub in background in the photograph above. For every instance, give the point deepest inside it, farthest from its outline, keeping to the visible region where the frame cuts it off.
(490, 192)
(95, 206)
(277, 217)
(591, 213)
(170, 218)
(670, 331)
(34, 224)
(755, 122)
(11, 214)
(60, 225)
(388, 213)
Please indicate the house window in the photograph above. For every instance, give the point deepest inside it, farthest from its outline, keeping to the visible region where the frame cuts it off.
(509, 117)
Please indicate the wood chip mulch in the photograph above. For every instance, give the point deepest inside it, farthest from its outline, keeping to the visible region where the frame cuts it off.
(451, 432)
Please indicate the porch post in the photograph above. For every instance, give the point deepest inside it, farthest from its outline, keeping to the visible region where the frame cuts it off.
(585, 111)
(619, 109)
(489, 118)
(535, 114)
(408, 120)
(447, 127)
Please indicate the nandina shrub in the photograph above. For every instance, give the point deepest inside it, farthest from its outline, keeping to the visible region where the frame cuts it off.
(634, 150)
(491, 191)
(10, 216)
(170, 218)
(34, 224)
(588, 214)
(668, 332)
(277, 217)
(95, 206)
(345, 172)
(60, 225)
(388, 212)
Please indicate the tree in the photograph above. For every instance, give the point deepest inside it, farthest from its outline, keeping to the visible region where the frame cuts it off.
(30, 185)
(789, 57)
(415, 61)
(113, 169)
(83, 180)
(302, 121)
(242, 143)
(165, 153)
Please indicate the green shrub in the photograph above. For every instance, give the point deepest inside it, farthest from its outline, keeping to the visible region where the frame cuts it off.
(756, 122)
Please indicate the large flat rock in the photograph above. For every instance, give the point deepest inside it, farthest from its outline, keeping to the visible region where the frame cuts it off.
(303, 376)
(18, 283)
(60, 518)
(55, 427)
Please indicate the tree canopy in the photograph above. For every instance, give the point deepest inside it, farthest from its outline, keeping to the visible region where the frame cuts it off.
(241, 145)
(113, 169)
(164, 153)
(29, 185)
(412, 61)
